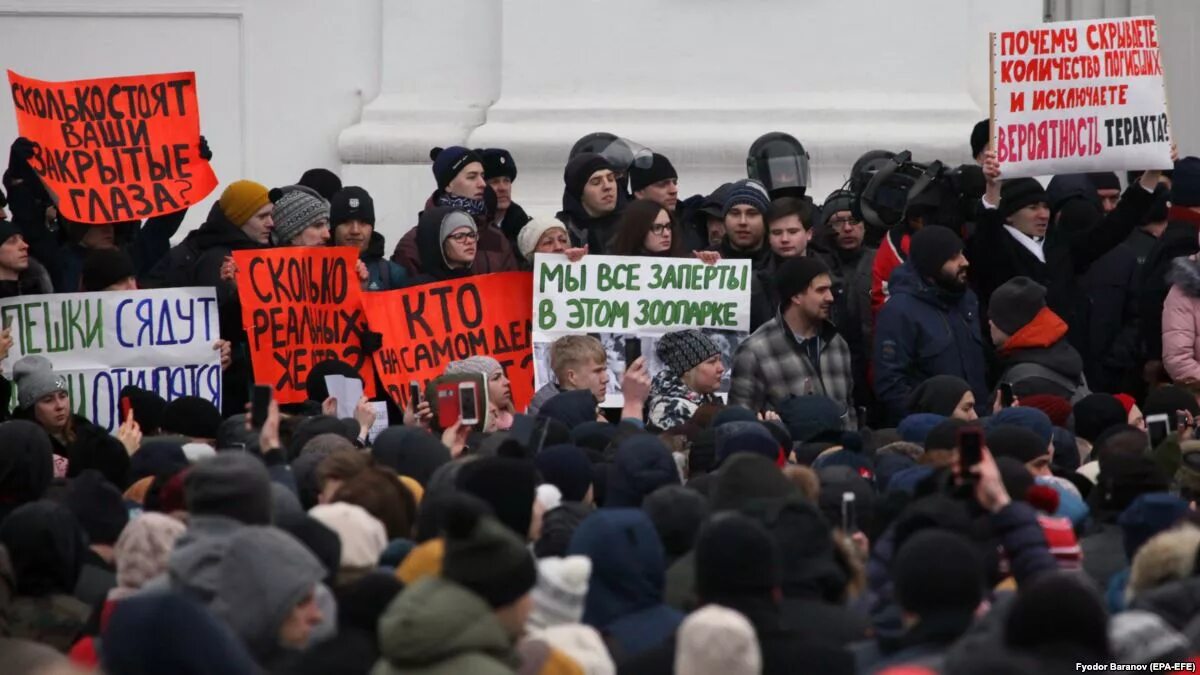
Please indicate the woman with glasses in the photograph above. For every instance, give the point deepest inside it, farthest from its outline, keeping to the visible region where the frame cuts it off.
(447, 240)
(647, 229)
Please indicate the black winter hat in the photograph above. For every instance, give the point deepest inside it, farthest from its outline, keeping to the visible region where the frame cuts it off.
(1018, 193)
(315, 386)
(317, 537)
(351, 203)
(1016, 442)
(567, 468)
(157, 457)
(745, 478)
(944, 435)
(1015, 303)
(1185, 182)
(191, 416)
(147, 406)
(104, 267)
(497, 162)
(485, 556)
(1058, 609)
(448, 162)
(323, 181)
(98, 506)
(796, 275)
(1095, 413)
(931, 248)
(232, 484)
(580, 169)
(937, 571)
(506, 484)
(1124, 477)
(939, 395)
(1105, 180)
(736, 557)
(659, 169)
(979, 137)
(26, 464)
(677, 513)
(812, 418)
(412, 452)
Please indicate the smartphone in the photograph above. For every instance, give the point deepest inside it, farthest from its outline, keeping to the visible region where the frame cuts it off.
(468, 412)
(1181, 420)
(260, 405)
(970, 448)
(414, 394)
(1159, 427)
(633, 350)
(126, 407)
(1006, 395)
(849, 517)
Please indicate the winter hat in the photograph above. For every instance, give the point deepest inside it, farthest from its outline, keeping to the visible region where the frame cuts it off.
(1058, 608)
(1148, 515)
(796, 275)
(641, 465)
(579, 171)
(242, 199)
(1027, 418)
(1167, 557)
(144, 547)
(455, 220)
(1070, 504)
(736, 557)
(939, 395)
(980, 135)
(483, 365)
(1141, 637)
(507, 485)
(362, 535)
(296, 208)
(1018, 193)
(838, 200)
(745, 478)
(810, 418)
(98, 506)
(1017, 479)
(411, 452)
(497, 162)
(147, 407)
(935, 571)
(931, 248)
(35, 377)
(583, 645)
(713, 205)
(944, 436)
(659, 169)
(1017, 442)
(104, 267)
(916, 428)
(567, 467)
(448, 162)
(715, 640)
(561, 589)
(318, 538)
(1123, 477)
(485, 556)
(733, 413)
(750, 192)
(1095, 413)
(323, 181)
(677, 513)
(26, 464)
(1015, 303)
(572, 408)
(232, 484)
(46, 547)
(191, 416)
(751, 437)
(314, 386)
(531, 233)
(683, 350)
(1185, 182)
(1056, 408)
(170, 633)
(320, 425)
(351, 203)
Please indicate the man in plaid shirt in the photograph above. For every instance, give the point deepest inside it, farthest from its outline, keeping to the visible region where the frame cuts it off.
(799, 352)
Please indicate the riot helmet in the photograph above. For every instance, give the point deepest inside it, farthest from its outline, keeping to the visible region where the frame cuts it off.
(780, 163)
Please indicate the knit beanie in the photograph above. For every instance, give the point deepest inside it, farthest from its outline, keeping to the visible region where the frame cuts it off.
(35, 377)
(242, 199)
(485, 556)
(98, 506)
(506, 484)
(323, 181)
(916, 428)
(1028, 418)
(936, 570)
(579, 171)
(147, 407)
(714, 640)
(745, 437)
(1058, 608)
(104, 267)
(1185, 182)
(531, 234)
(838, 200)
(296, 208)
(1015, 303)
(796, 275)
(1056, 408)
(232, 484)
(455, 220)
(1017, 442)
(683, 350)
(736, 557)
(483, 365)
(931, 248)
(561, 589)
(566, 467)
(939, 395)
(448, 162)
(809, 418)
(497, 163)
(750, 192)
(979, 137)
(351, 203)
(8, 229)
(1095, 413)
(191, 416)
(1018, 193)
(660, 169)
(144, 547)
(362, 536)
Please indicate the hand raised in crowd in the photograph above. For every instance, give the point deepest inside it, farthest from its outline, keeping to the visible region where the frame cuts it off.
(989, 488)
(268, 438)
(991, 173)
(576, 254)
(130, 434)
(364, 414)
(226, 349)
(708, 257)
(635, 387)
(455, 438)
(228, 269)
(360, 268)
(329, 407)
(768, 416)
(6, 342)
(1185, 431)
(205, 151)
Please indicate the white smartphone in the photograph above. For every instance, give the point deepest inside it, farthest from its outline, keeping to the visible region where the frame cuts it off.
(1158, 426)
(468, 410)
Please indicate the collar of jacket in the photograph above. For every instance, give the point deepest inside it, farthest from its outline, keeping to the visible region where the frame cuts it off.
(826, 334)
(1046, 329)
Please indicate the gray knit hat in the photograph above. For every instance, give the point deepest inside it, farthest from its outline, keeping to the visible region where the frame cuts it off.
(35, 377)
(484, 365)
(685, 349)
(296, 208)
(453, 221)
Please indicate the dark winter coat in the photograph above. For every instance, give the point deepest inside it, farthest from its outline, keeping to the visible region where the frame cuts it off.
(1112, 286)
(1039, 352)
(93, 448)
(493, 252)
(585, 230)
(147, 244)
(514, 219)
(382, 274)
(35, 280)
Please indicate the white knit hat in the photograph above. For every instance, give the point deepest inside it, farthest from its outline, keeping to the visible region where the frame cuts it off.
(561, 588)
(717, 641)
(529, 235)
(144, 547)
(584, 645)
(363, 537)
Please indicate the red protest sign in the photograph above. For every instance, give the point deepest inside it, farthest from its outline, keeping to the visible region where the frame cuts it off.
(115, 148)
(301, 306)
(426, 327)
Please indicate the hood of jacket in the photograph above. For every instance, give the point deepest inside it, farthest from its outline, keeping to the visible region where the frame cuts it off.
(435, 620)
(375, 248)
(1185, 273)
(1067, 186)
(429, 246)
(642, 464)
(218, 231)
(194, 564)
(1043, 341)
(628, 564)
(1178, 603)
(46, 547)
(598, 230)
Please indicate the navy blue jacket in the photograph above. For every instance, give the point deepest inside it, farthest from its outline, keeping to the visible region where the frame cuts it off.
(922, 331)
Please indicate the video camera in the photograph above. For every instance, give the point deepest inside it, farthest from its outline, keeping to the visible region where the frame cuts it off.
(891, 186)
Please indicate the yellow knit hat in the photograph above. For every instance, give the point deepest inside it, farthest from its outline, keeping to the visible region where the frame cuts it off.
(414, 487)
(242, 199)
(423, 561)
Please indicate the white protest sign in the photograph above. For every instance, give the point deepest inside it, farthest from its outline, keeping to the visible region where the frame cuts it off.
(625, 298)
(1079, 96)
(158, 340)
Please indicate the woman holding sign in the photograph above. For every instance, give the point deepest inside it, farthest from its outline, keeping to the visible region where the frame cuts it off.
(447, 240)
(691, 378)
(647, 229)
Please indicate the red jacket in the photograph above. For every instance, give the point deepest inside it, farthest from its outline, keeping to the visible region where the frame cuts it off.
(889, 257)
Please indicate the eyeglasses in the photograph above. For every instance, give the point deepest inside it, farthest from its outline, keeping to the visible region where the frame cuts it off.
(461, 237)
(847, 221)
(660, 228)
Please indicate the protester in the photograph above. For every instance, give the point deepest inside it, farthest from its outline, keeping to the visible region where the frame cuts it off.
(352, 221)
(589, 204)
(691, 378)
(1031, 343)
(20, 274)
(542, 235)
(658, 183)
(745, 210)
(647, 228)
(578, 362)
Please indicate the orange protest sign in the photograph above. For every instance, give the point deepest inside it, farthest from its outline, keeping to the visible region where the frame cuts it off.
(115, 148)
(426, 327)
(301, 306)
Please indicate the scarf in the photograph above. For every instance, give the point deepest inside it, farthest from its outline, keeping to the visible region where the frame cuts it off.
(474, 207)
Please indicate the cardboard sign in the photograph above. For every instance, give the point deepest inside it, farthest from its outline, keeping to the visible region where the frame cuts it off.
(426, 327)
(159, 340)
(301, 306)
(116, 148)
(620, 299)
(1079, 96)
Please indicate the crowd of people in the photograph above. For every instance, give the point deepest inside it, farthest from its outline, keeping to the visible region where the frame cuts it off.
(959, 439)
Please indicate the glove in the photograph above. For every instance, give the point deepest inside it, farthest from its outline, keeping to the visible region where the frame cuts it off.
(22, 150)
(371, 341)
(205, 152)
